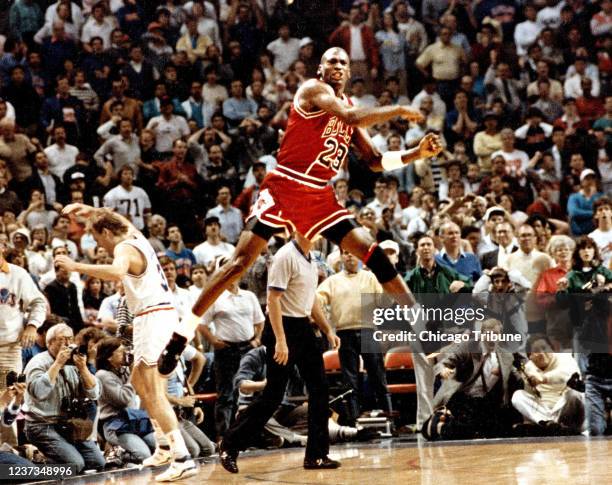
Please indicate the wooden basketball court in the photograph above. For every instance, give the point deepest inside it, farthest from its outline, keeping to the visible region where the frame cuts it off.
(565, 461)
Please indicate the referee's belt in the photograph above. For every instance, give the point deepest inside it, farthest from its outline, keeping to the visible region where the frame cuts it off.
(243, 343)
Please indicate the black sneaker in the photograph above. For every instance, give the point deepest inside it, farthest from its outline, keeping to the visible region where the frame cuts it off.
(324, 463)
(228, 458)
(169, 358)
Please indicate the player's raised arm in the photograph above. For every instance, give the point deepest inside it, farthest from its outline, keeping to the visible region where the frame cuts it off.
(86, 211)
(316, 95)
(429, 146)
(109, 272)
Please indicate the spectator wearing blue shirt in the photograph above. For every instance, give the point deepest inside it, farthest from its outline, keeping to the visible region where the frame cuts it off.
(238, 107)
(452, 256)
(182, 256)
(580, 204)
(25, 18)
(14, 55)
(40, 344)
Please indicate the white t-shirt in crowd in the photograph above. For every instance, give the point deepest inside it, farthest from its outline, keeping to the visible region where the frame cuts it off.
(61, 159)
(285, 53)
(235, 316)
(515, 160)
(603, 239)
(167, 131)
(131, 204)
(206, 252)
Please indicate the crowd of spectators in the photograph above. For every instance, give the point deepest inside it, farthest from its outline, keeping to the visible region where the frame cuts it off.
(171, 113)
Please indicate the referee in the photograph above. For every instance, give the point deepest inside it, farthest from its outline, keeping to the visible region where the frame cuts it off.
(290, 340)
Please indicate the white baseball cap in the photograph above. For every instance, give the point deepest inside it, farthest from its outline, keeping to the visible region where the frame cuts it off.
(389, 244)
(586, 172)
(305, 41)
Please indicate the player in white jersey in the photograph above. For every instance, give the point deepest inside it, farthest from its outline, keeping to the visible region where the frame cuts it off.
(155, 318)
(129, 200)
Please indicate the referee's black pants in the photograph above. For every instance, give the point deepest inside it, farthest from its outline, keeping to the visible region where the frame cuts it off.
(305, 353)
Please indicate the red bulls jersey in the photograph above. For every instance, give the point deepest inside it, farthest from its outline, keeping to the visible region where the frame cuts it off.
(314, 147)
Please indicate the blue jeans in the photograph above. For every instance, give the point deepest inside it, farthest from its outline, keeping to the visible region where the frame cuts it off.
(8, 458)
(198, 444)
(227, 363)
(83, 454)
(597, 389)
(138, 448)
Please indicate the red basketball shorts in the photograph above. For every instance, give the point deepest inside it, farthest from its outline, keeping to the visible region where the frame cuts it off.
(286, 204)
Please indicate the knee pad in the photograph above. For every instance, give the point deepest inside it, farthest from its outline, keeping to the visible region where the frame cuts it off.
(380, 265)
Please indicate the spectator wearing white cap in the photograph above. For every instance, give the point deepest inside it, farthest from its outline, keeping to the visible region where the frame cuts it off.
(391, 249)
(580, 204)
(307, 57)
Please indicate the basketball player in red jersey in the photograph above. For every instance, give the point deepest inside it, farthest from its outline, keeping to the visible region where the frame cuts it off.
(297, 196)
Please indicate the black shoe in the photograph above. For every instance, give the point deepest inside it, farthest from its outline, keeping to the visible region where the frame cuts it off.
(169, 358)
(525, 430)
(228, 458)
(324, 463)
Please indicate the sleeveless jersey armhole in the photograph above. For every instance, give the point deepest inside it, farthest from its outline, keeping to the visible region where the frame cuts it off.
(143, 257)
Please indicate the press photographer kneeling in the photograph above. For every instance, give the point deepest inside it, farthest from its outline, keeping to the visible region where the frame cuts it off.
(60, 403)
(123, 422)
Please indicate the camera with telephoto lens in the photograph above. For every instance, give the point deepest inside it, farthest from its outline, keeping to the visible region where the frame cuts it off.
(12, 377)
(74, 350)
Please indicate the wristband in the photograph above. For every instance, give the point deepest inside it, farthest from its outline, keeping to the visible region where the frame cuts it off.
(392, 160)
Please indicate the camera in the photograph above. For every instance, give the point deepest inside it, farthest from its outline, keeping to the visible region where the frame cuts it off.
(12, 377)
(76, 350)
(576, 383)
(78, 408)
(128, 358)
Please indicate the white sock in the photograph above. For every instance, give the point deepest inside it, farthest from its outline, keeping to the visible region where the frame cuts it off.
(177, 444)
(188, 325)
(160, 437)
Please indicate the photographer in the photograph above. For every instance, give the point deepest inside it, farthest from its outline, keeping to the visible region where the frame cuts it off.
(9, 397)
(15, 389)
(60, 390)
(123, 423)
(88, 338)
(504, 293)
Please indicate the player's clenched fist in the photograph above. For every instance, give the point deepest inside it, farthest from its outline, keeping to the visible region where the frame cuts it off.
(430, 145)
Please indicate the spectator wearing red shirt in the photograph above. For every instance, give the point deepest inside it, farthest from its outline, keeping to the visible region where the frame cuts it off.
(248, 196)
(560, 248)
(589, 107)
(178, 186)
(544, 205)
(358, 40)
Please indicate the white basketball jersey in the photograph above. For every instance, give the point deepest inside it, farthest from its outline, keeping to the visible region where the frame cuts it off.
(149, 290)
